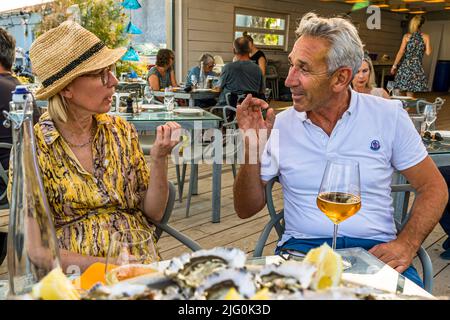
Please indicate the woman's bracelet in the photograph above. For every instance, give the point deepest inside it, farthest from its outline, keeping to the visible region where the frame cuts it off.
(394, 66)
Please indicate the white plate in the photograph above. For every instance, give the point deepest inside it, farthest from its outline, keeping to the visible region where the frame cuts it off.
(402, 98)
(152, 107)
(202, 90)
(188, 111)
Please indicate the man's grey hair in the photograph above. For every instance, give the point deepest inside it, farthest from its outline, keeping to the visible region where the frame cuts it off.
(346, 48)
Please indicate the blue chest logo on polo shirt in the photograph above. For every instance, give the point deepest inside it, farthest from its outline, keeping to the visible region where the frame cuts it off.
(375, 145)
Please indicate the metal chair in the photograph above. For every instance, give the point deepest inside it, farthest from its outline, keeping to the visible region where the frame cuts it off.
(230, 134)
(272, 79)
(277, 221)
(163, 225)
(4, 203)
(420, 104)
(117, 98)
(208, 153)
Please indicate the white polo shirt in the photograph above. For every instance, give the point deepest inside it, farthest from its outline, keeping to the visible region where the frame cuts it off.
(374, 131)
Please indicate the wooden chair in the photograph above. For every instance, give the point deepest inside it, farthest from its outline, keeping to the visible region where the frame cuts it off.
(277, 221)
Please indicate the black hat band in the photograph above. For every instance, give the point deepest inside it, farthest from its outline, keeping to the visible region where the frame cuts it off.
(72, 65)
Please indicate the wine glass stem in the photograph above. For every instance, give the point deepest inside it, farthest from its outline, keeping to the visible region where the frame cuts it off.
(335, 236)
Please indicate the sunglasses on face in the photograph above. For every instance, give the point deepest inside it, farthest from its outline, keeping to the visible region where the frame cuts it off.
(104, 74)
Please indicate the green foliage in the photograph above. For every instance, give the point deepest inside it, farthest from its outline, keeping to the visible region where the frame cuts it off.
(126, 66)
(360, 5)
(104, 18)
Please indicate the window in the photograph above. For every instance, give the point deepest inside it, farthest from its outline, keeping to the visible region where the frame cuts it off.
(268, 29)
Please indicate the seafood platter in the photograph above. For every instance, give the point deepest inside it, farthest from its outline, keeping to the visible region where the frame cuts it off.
(225, 274)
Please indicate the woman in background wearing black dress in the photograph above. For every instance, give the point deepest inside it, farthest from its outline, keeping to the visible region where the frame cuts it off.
(256, 55)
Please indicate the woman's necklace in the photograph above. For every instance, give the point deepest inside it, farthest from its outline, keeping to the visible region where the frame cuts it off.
(91, 138)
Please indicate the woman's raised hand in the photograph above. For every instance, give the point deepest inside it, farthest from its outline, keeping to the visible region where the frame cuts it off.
(167, 137)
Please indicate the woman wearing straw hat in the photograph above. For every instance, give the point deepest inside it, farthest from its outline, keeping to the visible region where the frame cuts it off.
(94, 172)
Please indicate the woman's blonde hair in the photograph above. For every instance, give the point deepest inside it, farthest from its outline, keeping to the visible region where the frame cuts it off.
(57, 108)
(371, 83)
(415, 23)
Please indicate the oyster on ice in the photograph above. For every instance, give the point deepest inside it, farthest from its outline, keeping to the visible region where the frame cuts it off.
(217, 285)
(189, 270)
(288, 277)
(120, 291)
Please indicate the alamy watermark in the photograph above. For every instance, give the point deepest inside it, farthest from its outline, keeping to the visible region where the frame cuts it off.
(374, 20)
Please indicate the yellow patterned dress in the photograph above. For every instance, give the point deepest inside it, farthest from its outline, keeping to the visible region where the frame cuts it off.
(89, 208)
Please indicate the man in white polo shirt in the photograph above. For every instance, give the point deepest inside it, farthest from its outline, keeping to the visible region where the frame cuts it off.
(329, 120)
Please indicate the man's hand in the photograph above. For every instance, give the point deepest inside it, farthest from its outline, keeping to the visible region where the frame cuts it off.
(249, 115)
(396, 254)
(167, 137)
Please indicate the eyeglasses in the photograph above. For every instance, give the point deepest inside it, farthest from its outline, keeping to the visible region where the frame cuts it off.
(104, 74)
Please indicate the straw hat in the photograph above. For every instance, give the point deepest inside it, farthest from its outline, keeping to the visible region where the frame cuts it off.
(62, 54)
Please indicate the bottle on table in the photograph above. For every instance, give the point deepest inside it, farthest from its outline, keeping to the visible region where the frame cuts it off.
(202, 80)
(32, 246)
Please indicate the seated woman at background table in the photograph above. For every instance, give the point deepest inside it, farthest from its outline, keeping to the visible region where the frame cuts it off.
(93, 169)
(364, 80)
(207, 60)
(162, 75)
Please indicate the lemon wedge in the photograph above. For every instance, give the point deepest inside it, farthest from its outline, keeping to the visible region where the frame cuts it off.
(329, 267)
(232, 294)
(55, 286)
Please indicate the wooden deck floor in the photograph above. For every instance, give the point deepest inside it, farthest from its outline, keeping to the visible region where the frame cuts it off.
(235, 232)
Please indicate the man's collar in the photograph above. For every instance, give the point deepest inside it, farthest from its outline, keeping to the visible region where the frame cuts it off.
(353, 100)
